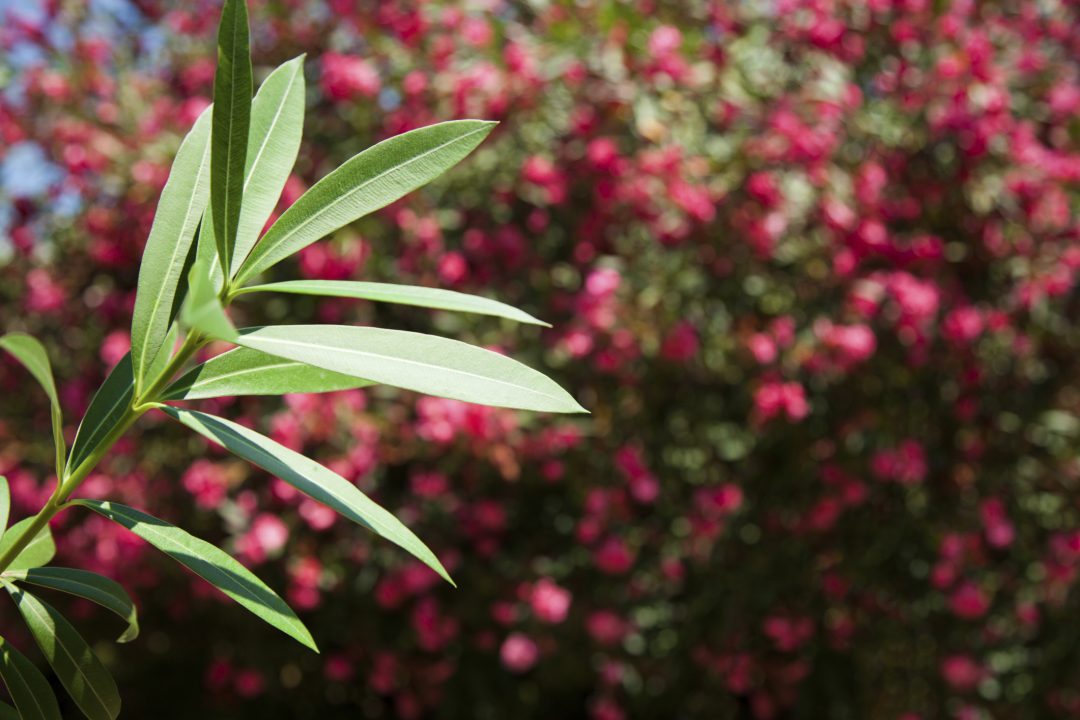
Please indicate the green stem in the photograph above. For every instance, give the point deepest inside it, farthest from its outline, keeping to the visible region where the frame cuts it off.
(74, 478)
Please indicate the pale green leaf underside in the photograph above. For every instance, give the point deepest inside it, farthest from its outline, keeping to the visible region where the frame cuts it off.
(108, 406)
(371, 180)
(244, 371)
(434, 298)
(277, 124)
(31, 353)
(310, 478)
(30, 691)
(38, 551)
(80, 671)
(179, 211)
(202, 309)
(232, 117)
(210, 563)
(85, 584)
(413, 361)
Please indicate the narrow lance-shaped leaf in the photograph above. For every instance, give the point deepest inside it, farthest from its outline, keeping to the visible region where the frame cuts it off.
(310, 478)
(179, 211)
(371, 180)
(80, 671)
(232, 116)
(424, 363)
(85, 584)
(33, 357)
(5, 505)
(110, 403)
(29, 690)
(434, 298)
(243, 371)
(210, 563)
(39, 551)
(277, 124)
(202, 309)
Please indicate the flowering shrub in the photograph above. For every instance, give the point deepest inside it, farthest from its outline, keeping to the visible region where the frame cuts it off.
(812, 266)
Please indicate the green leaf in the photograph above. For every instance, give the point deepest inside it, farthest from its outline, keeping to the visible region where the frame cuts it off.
(33, 357)
(310, 478)
(207, 251)
(38, 551)
(427, 297)
(8, 713)
(179, 211)
(371, 180)
(202, 309)
(243, 371)
(210, 563)
(232, 117)
(89, 585)
(29, 689)
(109, 405)
(5, 505)
(80, 671)
(424, 363)
(277, 124)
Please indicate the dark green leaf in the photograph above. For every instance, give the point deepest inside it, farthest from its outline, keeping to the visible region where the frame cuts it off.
(32, 355)
(243, 371)
(97, 588)
(232, 117)
(110, 403)
(434, 298)
(80, 671)
(38, 551)
(29, 689)
(310, 478)
(210, 563)
(179, 211)
(424, 363)
(369, 181)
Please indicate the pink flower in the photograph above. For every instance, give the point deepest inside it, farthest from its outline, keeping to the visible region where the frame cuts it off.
(249, 683)
(266, 536)
(906, 464)
(115, 346)
(962, 325)
(614, 557)
(519, 653)
(207, 482)
(762, 347)
(605, 627)
(775, 398)
(788, 633)
(968, 602)
(962, 672)
(345, 77)
(681, 344)
(550, 603)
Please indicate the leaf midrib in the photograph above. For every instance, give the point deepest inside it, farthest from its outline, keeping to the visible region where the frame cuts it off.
(172, 264)
(265, 338)
(32, 607)
(182, 542)
(342, 198)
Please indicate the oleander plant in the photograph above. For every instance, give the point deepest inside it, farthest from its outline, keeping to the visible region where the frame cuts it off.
(811, 265)
(206, 249)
